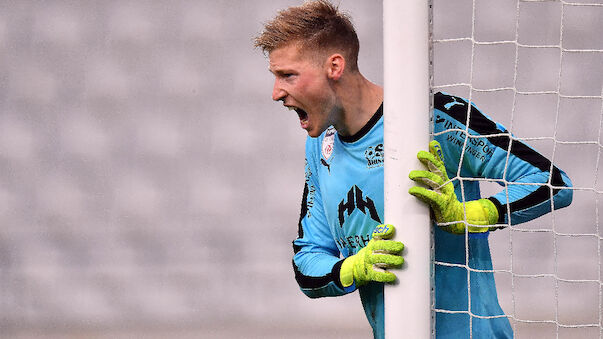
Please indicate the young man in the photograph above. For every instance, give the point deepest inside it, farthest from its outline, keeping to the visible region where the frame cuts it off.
(313, 51)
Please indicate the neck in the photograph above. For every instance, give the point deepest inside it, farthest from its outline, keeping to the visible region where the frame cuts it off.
(359, 99)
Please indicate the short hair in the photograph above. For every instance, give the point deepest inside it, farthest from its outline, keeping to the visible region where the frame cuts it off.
(317, 25)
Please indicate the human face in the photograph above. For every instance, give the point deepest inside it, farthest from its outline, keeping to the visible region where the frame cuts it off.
(301, 83)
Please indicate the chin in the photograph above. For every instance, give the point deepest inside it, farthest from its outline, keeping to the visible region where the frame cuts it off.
(314, 133)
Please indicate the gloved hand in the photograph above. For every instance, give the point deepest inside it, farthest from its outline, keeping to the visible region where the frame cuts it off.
(442, 199)
(371, 262)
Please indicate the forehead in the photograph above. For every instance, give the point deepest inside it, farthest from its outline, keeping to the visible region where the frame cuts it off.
(286, 54)
(289, 56)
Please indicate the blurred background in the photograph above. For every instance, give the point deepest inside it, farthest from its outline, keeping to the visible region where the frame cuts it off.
(149, 187)
(148, 183)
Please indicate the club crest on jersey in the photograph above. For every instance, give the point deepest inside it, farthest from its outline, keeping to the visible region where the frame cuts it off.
(328, 142)
(374, 156)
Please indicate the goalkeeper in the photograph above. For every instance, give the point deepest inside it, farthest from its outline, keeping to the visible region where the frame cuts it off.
(342, 244)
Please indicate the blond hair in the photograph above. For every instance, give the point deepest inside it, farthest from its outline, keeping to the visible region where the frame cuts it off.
(317, 26)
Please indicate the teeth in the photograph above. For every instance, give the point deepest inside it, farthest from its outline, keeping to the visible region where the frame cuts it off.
(291, 108)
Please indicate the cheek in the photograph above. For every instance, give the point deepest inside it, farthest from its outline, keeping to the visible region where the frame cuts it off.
(306, 84)
(315, 90)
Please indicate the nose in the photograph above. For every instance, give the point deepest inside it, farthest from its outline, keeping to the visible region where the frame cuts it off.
(278, 93)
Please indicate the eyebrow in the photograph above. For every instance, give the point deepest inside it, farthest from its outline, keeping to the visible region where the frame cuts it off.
(279, 71)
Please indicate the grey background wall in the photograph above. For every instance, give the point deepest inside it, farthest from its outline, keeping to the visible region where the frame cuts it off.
(148, 183)
(149, 186)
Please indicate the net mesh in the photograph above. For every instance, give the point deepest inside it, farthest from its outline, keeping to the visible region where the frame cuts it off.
(536, 67)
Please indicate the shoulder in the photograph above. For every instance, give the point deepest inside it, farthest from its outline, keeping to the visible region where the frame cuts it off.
(450, 104)
(455, 109)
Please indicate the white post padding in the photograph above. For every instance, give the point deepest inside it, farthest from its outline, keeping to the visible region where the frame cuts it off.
(406, 131)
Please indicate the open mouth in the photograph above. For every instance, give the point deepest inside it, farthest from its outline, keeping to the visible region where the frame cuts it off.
(303, 115)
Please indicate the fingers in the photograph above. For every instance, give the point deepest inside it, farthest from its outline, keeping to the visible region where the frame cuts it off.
(381, 263)
(387, 246)
(383, 276)
(436, 150)
(383, 254)
(426, 195)
(438, 183)
(426, 158)
(384, 231)
(387, 260)
(427, 178)
(433, 163)
(434, 159)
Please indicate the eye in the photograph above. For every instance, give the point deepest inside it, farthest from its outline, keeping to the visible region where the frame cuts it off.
(286, 73)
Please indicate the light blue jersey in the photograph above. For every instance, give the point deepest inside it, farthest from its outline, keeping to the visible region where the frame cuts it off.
(343, 202)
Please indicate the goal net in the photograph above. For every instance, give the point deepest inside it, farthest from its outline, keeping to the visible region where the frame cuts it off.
(536, 67)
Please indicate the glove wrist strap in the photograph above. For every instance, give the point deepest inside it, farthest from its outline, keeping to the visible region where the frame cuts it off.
(346, 274)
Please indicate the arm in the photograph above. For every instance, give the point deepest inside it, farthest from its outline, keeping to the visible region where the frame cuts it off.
(316, 260)
(532, 181)
(531, 178)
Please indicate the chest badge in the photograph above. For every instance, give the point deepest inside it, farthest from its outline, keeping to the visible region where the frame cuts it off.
(328, 142)
(327, 147)
(374, 156)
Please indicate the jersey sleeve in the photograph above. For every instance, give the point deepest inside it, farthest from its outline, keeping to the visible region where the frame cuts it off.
(533, 185)
(316, 260)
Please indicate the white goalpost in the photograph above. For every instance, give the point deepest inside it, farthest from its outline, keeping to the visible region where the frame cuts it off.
(406, 105)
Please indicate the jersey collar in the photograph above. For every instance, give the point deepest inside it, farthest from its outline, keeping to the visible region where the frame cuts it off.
(365, 129)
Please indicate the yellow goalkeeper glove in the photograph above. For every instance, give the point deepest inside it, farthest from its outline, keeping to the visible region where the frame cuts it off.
(442, 199)
(371, 262)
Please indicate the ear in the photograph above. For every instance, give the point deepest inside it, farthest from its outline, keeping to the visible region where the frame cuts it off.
(335, 66)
